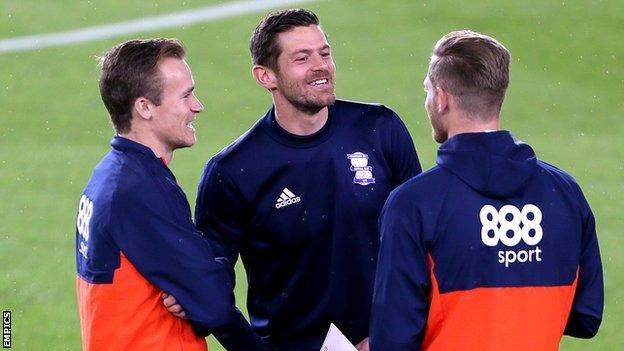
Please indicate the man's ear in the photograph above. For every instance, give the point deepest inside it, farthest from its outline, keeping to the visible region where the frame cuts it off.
(143, 108)
(265, 77)
(444, 98)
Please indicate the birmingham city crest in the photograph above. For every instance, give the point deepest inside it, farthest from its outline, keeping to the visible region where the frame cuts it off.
(359, 165)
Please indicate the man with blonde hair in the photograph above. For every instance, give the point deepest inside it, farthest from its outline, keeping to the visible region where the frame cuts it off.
(492, 249)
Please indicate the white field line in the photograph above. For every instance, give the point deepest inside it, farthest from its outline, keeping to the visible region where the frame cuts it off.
(146, 24)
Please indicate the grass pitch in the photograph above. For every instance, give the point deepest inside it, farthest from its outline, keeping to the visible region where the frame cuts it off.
(565, 99)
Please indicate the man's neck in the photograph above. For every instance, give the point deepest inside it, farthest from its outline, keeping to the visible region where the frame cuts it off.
(145, 139)
(463, 124)
(298, 122)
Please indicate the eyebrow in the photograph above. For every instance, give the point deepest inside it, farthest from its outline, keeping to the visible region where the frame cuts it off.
(305, 51)
(188, 91)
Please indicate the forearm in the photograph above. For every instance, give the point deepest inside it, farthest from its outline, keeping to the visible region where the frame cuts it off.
(238, 335)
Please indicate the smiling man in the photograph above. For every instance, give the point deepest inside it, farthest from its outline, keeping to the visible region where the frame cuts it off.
(134, 235)
(299, 194)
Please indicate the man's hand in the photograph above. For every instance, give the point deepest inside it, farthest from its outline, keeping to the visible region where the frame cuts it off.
(363, 345)
(174, 308)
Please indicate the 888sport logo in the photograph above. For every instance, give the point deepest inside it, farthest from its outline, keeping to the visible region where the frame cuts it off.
(85, 211)
(509, 226)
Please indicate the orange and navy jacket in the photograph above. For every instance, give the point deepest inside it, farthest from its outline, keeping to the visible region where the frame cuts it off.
(492, 249)
(135, 240)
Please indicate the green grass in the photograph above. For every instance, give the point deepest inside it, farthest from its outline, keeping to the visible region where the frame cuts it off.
(28, 17)
(565, 99)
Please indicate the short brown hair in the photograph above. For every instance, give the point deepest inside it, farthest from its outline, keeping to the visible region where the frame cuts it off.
(472, 67)
(263, 44)
(129, 71)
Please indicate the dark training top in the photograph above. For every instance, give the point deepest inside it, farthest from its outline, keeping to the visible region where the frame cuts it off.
(135, 238)
(492, 249)
(302, 212)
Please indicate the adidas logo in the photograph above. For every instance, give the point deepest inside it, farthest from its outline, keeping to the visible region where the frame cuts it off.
(286, 198)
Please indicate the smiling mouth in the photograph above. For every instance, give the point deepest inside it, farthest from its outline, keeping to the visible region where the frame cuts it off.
(190, 125)
(319, 82)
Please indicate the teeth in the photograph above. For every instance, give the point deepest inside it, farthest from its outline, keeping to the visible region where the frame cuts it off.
(190, 125)
(319, 81)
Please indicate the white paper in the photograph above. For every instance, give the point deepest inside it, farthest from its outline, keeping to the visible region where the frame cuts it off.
(336, 341)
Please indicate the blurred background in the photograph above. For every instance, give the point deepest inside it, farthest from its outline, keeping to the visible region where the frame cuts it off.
(566, 99)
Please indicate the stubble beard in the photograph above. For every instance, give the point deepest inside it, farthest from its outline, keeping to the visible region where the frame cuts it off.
(438, 132)
(296, 93)
(439, 136)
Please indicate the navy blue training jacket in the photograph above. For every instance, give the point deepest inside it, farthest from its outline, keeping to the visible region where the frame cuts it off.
(135, 238)
(492, 249)
(302, 212)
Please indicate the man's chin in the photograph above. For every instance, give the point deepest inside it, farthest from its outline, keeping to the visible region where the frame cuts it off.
(331, 100)
(439, 137)
(185, 144)
(312, 107)
(327, 100)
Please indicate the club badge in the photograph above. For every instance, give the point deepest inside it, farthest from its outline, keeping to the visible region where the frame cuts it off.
(359, 165)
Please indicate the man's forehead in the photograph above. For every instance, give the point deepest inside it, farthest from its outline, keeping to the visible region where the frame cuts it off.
(301, 37)
(175, 74)
(171, 62)
(173, 66)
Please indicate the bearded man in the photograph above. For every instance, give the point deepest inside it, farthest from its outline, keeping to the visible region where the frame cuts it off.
(299, 194)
